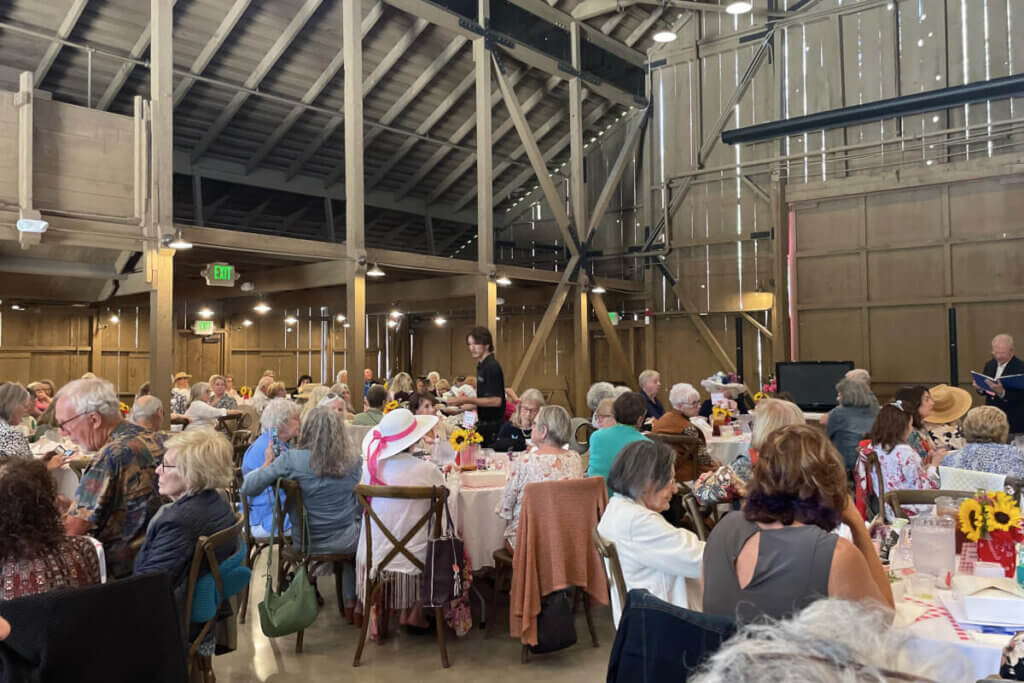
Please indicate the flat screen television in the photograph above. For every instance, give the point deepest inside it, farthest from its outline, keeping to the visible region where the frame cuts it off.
(812, 384)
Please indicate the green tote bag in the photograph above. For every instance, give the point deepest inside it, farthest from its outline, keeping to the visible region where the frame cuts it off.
(294, 609)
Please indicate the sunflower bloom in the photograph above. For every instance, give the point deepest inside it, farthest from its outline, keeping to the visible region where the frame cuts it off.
(459, 439)
(389, 406)
(1002, 514)
(971, 519)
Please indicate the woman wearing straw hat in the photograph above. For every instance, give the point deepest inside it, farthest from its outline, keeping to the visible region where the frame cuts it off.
(943, 424)
(389, 463)
(181, 393)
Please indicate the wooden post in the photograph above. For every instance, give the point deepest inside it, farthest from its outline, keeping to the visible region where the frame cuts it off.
(487, 304)
(23, 102)
(159, 261)
(355, 290)
(577, 189)
(486, 292)
(581, 334)
(780, 270)
(96, 347)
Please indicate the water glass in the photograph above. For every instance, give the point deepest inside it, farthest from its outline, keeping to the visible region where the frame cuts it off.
(933, 544)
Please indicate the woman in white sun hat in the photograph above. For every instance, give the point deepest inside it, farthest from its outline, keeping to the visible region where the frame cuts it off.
(389, 463)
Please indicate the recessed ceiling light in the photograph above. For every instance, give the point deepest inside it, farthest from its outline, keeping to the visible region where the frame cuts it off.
(738, 7)
(664, 37)
(291, 320)
(439, 320)
(247, 323)
(16, 307)
(340, 318)
(205, 313)
(392, 323)
(114, 319)
(261, 307)
(395, 313)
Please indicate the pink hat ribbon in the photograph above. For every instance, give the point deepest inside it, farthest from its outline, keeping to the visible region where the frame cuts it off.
(377, 444)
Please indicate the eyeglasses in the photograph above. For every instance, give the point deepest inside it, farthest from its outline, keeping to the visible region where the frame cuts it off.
(165, 466)
(61, 425)
(602, 416)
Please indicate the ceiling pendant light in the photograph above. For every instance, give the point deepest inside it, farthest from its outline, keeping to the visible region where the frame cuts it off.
(375, 271)
(178, 241)
(439, 320)
(503, 281)
(598, 289)
(664, 37)
(261, 307)
(738, 7)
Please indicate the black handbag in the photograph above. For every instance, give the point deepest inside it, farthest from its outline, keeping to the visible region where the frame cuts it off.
(556, 627)
(443, 566)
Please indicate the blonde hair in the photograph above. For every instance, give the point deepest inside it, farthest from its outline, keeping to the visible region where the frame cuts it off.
(770, 415)
(204, 459)
(313, 401)
(214, 378)
(274, 388)
(402, 382)
(986, 424)
(533, 396)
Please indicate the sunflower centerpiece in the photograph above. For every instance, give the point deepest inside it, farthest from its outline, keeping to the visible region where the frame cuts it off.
(391, 405)
(992, 520)
(124, 409)
(464, 442)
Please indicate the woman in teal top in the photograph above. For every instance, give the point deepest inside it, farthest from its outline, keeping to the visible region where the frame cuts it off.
(630, 409)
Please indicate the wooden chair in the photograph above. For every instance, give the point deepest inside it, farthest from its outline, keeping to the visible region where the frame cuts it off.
(612, 566)
(240, 442)
(205, 557)
(896, 499)
(376, 580)
(254, 545)
(874, 479)
(291, 556)
(180, 420)
(694, 511)
(581, 424)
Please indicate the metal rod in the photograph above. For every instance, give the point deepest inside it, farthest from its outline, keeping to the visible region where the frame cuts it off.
(88, 87)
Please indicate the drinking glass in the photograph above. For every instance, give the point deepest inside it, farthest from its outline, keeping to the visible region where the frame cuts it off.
(932, 544)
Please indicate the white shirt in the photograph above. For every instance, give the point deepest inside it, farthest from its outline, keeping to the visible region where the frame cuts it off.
(201, 415)
(654, 554)
(999, 370)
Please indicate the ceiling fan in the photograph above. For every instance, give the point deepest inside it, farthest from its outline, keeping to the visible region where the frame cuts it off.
(588, 9)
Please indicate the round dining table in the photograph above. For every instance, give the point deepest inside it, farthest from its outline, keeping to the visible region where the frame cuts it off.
(481, 529)
(725, 449)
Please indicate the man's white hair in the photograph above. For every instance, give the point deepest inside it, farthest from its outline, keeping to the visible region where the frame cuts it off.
(146, 408)
(859, 374)
(620, 390)
(597, 392)
(88, 395)
(647, 375)
(830, 640)
(682, 394)
(1003, 337)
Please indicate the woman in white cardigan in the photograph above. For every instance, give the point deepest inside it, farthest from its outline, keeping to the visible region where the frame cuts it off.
(654, 554)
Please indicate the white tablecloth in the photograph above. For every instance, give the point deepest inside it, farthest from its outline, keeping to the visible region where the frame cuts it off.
(936, 632)
(481, 529)
(724, 450)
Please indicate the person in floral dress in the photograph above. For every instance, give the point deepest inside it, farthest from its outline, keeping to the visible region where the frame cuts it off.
(547, 461)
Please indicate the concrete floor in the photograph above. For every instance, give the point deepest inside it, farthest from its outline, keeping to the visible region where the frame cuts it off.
(330, 645)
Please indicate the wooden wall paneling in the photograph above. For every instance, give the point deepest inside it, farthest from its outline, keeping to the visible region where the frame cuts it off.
(905, 217)
(833, 335)
(925, 66)
(988, 268)
(16, 366)
(833, 279)
(897, 274)
(909, 344)
(831, 225)
(84, 159)
(8, 148)
(987, 208)
(680, 353)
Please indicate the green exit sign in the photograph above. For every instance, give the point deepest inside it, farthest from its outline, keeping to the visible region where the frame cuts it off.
(203, 327)
(220, 274)
(614, 317)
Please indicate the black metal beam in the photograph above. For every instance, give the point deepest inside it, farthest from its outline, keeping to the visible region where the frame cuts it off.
(917, 103)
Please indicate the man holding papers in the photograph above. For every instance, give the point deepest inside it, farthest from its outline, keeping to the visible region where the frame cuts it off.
(1008, 397)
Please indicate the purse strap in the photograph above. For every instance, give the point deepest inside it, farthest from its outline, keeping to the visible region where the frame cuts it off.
(273, 527)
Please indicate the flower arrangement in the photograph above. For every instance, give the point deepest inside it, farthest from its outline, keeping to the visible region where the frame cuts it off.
(991, 515)
(759, 396)
(389, 406)
(771, 386)
(460, 438)
(124, 409)
(721, 414)
(245, 392)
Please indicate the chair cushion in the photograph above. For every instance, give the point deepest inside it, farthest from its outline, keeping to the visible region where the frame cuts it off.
(207, 598)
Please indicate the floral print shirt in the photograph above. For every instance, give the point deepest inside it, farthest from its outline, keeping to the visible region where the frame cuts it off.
(728, 482)
(225, 402)
(12, 442)
(533, 467)
(998, 458)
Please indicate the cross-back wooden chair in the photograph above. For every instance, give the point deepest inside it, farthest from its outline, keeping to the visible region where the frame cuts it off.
(291, 556)
(897, 499)
(875, 484)
(205, 557)
(612, 567)
(240, 441)
(375, 579)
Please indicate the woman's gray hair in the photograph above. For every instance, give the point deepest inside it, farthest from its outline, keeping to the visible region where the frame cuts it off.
(89, 395)
(277, 412)
(682, 394)
(830, 640)
(325, 437)
(145, 407)
(12, 395)
(853, 392)
(772, 414)
(597, 392)
(197, 391)
(620, 390)
(641, 466)
(556, 420)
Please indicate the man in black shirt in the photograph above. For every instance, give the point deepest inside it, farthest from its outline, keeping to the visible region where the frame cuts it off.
(490, 385)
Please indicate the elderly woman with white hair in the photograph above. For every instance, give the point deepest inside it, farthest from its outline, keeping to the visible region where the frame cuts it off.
(986, 429)
(654, 554)
(327, 467)
(548, 460)
(685, 403)
(13, 404)
(597, 392)
(514, 434)
(729, 482)
(200, 413)
(280, 422)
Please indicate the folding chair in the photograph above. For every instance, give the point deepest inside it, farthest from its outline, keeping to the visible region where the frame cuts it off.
(375, 575)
